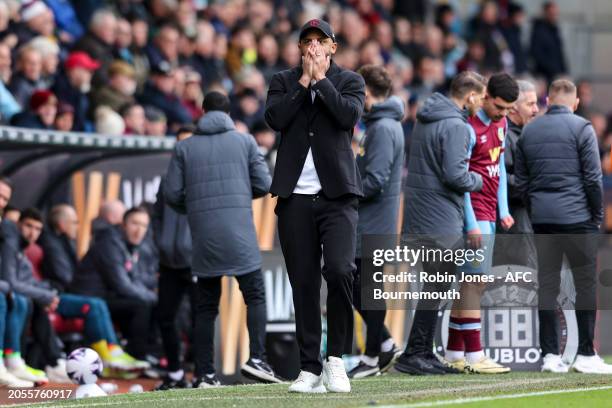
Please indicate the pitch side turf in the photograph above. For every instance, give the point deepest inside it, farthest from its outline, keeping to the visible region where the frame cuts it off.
(394, 389)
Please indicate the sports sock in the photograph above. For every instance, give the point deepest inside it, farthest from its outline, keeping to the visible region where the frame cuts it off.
(387, 345)
(370, 361)
(101, 347)
(176, 375)
(455, 336)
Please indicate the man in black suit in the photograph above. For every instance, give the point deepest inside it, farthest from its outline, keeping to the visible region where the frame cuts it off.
(315, 107)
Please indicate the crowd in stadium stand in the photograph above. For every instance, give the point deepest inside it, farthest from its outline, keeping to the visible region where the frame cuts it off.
(142, 67)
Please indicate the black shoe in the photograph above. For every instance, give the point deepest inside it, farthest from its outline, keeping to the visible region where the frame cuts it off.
(435, 361)
(260, 371)
(387, 358)
(170, 384)
(417, 364)
(206, 381)
(363, 370)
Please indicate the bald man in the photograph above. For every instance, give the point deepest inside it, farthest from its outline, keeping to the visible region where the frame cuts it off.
(558, 172)
(58, 243)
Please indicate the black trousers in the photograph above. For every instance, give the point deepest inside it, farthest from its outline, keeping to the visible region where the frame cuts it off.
(134, 318)
(174, 284)
(376, 331)
(311, 226)
(425, 319)
(578, 242)
(207, 293)
(46, 347)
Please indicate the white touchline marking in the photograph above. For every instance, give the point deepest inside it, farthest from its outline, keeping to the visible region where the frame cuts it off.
(494, 398)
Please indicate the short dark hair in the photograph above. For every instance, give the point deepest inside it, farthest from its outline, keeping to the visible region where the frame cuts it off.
(188, 128)
(134, 210)
(377, 79)
(504, 86)
(465, 82)
(6, 181)
(10, 207)
(31, 214)
(216, 101)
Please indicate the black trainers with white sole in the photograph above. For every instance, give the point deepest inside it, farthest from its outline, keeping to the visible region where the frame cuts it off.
(206, 381)
(261, 371)
(386, 359)
(362, 370)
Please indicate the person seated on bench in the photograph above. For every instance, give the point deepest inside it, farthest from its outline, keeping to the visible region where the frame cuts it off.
(111, 270)
(17, 270)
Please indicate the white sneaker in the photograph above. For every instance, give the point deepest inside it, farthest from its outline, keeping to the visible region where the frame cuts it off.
(308, 383)
(58, 374)
(552, 363)
(591, 365)
(19, 369)
(334, 375)
(10, 381)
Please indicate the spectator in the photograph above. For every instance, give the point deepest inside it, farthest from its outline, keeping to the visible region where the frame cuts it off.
(123, 41)
(108, 122)
(192, 94)
(7, 35)
(160, 92)
(164, 46)
(585, 95)
(36, 19)
(156, 123)
(546, 43)
(5, 63)
(49, 52)
(110, 270)
(513, 32)
(485, 27)
(74, 84)
(134, 117)
(68, 24)
(248, 108)
(42, 112)
(120, 89)
(205, 61)
(99, 41)
(266, 142)
(8, 105)
(64, 120)
(404, 40)
(140, 36)
(28, 76)
(268, 56)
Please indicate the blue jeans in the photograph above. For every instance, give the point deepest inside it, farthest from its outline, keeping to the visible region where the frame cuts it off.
(98, 323)
(12, 327)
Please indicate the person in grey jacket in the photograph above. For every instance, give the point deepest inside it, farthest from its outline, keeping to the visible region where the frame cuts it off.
(213, 177)
(559, 173)
(380, 161)
(173, 239)
(437, 180)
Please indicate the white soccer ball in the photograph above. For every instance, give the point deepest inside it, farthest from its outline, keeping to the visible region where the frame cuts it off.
(84, 366)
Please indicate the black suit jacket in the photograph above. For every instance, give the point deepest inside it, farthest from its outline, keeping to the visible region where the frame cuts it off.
(325, 125)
